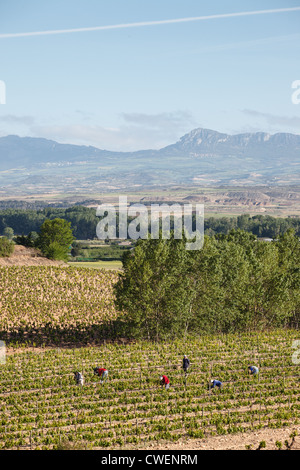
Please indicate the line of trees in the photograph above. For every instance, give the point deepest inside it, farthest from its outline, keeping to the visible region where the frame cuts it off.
(235, 282)
(83, 222)
(263, 226)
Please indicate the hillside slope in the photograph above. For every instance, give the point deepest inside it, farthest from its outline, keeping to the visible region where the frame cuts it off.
(24, 256)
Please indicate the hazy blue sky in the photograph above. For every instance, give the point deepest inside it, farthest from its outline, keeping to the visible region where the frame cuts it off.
(145, 86)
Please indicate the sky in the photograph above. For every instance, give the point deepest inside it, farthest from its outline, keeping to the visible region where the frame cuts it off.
(132, 75)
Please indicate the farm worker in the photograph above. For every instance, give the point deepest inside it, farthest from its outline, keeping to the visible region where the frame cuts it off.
(253, 370)
(185, 363)
(164, 381)
(78, 378)
(215, 383)
(103, 373)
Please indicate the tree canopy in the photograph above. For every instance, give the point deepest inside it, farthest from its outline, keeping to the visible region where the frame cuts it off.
(55, 238)
(6, 247)
(235, 282)
(84, 221)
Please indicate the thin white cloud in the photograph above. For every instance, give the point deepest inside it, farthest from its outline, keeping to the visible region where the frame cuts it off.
(164, 121)
(136, 131)
(293, 122)
(140, 131)
(243, 44)
(11, 118)
(150, 23)
(124, 138)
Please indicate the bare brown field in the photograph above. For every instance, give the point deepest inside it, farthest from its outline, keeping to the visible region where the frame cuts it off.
(277, 201)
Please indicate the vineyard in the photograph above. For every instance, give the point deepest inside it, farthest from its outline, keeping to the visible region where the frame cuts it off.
(49, 304)
(42, 407)
(54, 321)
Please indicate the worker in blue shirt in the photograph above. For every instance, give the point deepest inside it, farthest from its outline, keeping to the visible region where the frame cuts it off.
(215, 383)
(185, 363)
(253, 370)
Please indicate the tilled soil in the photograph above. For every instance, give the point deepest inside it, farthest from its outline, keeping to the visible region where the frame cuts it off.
(234, 441)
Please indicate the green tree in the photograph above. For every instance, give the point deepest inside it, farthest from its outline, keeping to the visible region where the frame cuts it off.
(8, 232)
(289, 265)
(6, 247)
(222, 271)
(30, 240)
(235, 282)
(153, 292)
(55, 239)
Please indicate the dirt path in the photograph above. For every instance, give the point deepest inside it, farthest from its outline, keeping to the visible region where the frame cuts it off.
(234, 441)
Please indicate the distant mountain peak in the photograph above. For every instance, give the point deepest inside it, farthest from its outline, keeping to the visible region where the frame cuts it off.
(201, 139)
(202, 156)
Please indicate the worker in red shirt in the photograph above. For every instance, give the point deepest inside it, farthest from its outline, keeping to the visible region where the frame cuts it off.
(164, 381)
(102, 373)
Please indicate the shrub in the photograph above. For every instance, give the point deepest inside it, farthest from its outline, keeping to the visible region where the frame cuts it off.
(6, 247)
(55, 251)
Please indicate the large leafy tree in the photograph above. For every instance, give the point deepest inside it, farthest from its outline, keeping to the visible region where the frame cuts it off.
(247, 283)
(221, 270)
(289, 264)
(235, 282)
(154, 291)
(55, 238)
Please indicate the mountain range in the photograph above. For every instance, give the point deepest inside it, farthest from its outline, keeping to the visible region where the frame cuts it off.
(201, 157)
